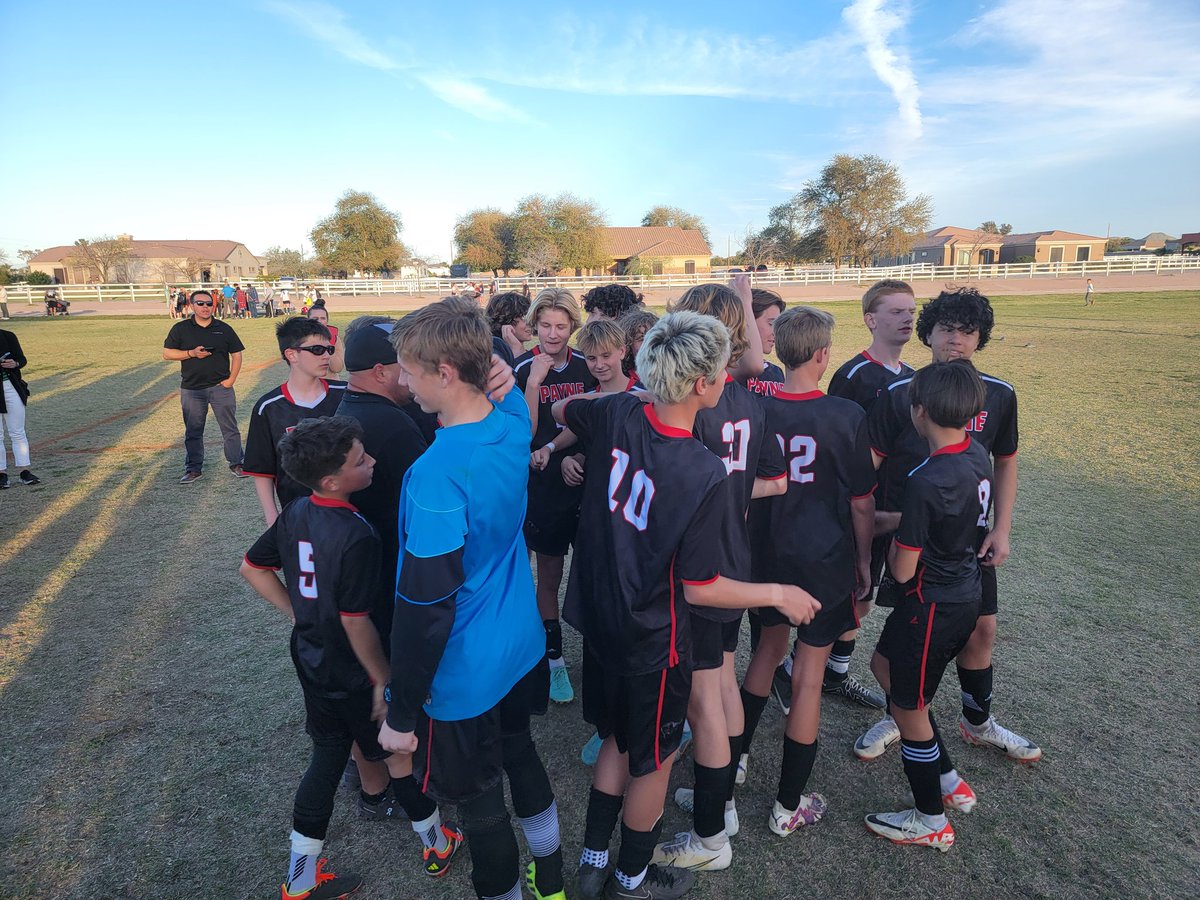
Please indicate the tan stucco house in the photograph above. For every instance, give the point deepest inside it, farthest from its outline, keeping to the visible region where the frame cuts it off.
(158, 261)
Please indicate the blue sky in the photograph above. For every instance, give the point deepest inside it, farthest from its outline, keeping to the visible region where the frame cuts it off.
(247, 120)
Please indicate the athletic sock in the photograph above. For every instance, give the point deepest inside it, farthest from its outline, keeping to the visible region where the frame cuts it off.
(419, 808)
(513, 893)
(976, 694)
(797, 766)
(735, 753)
(302, 870)
(708, 814)
(753, 706)
(629, 882)
(542, 836)
(921, 767)
(937, 823)
(603, 811)
(837, 667)
(553, 638)
(637, 847)
(945, 764)
(429, 830)
(372, 799)
(949, 781)
(597, 858)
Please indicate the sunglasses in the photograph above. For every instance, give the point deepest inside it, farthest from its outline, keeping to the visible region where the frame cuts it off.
(201, 303)
(318, 349)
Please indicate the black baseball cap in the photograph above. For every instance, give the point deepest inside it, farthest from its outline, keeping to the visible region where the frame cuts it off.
(370, 346)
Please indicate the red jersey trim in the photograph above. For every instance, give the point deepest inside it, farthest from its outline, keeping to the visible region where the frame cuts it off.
(246, 560)
(333, 504)
(1005, 455)
(350, 615)
(807, 395)
(701, 583)
(661, 427)
(953, 448)
(672, 653)
(906, 547)
(728, 378)
(781, 475)
(287, 395)
(258, 474)
(867, 356)
(878, 452)
(867, 494)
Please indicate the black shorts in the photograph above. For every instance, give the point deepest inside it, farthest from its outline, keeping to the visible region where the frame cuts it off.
(551, 513)
(458, 761)
(919, 640)
(712, 640)
(834, 620)
(644, 713)
(990, 603)
(331, 720)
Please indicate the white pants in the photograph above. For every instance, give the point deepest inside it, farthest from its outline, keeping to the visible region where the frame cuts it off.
(13, 422)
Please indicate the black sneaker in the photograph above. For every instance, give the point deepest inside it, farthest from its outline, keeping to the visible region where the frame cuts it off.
(590, 880)
(660, 883)
(28, 477)
(854, 690)
(781, 688)
(4, 485)
(189, 477)
(328, 887)
(386, 810)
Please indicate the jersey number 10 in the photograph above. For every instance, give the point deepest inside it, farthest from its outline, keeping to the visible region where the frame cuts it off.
(641, 491)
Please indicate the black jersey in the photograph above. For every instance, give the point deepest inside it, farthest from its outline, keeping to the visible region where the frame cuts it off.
(767, 383)
(273, 416)
(735, 430)
(806, 536)
(330, 560)
(862, 378)
(945, 507)
(652, 520)
(894, 437)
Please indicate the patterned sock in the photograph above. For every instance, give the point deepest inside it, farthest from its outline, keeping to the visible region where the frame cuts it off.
(837, 667)
(976, 694)
(302, 870)
(921, 767)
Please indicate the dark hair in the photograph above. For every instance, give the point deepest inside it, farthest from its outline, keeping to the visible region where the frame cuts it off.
(504, 309)
(762, 299)
(965, 309)
(635, 323)
(611, 299)
(951, 393)
(318, 447)
(195, 294)
(293, 332)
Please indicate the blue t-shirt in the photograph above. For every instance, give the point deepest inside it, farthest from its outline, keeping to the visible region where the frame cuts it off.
(468, 490)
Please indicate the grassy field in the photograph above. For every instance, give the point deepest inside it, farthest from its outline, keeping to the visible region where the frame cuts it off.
(151, 731)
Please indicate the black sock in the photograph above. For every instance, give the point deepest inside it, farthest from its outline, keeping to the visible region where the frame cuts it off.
(602, 813)
(416, 805)
(753, 706)
(797, 766)
(945, 764)
(636, 848)
(921, 767)
(976, 694)
(735, 753)
(553, 638)
(839, 656)
(709, 813)
(755, 632)
(372, 799)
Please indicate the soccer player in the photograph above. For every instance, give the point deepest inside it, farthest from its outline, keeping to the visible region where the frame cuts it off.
(610, 301)
(933, 557)
(506, 314)
(767, 306)
(548, 373)
(330, 559)
(306, 346)
(818, 536)
(955, 325)
(635, 323)
(655, 514)
(466, 620)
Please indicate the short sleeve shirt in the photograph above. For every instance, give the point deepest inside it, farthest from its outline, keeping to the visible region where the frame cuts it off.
(766, 384)
(218, 338)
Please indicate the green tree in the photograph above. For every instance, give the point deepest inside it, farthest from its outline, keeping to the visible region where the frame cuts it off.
(673, 216)
(361, 234)
(285, 261)
(480, 239)
(105, 258)
(1114, 244)
(577, 230)
(530, 236)
(990, 227)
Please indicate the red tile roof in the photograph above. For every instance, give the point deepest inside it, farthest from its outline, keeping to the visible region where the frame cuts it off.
(623, 243)
(206, 250)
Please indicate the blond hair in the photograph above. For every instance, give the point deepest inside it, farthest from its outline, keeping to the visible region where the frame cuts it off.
(453, 331)
(800, 332)
(554, 298)
(681, 347)
(880, 289)
(723, 304)
(599, 335)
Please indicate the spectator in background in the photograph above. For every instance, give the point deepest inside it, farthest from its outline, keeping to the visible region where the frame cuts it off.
(243, 304)
(252, 296)
(14, 395)
(4, 317)
(337, 360)
(226, 305)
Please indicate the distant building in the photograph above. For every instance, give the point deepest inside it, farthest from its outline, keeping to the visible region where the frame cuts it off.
(1190, 242)
(1155, 240)
(151, 261)
(951, 246)
(663, 250)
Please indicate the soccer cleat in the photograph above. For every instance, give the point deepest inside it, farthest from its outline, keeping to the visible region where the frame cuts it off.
(531, 883)
(328, 886)
(28, 477)
(906, 827)
(787, 821)
(4, 485)
(853, 689)
(560, 685)
(961, 799)
(781, 688)
(742, 768)
(660, 883)
(189, 477)
(685, 799)
(438, 864)
(687, 851)
(877, 739)
(591, 880)
(993, 734)
(591, 750)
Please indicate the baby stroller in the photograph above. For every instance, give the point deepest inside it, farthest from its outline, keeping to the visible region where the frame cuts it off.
(55, 306)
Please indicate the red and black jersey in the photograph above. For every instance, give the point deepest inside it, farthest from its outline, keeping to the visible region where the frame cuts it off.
(330, 560)
(275, 414)
(862, 378)
(894, 437)
(945, 508)
(735, 430)
(652, 519)
(806, 536)
(767, 383)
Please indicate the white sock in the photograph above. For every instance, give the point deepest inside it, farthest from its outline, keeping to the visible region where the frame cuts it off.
(629, 882)
(559, 663)
(513, 893)
(730, 805)
(430, 832)
(716, 841)
(597, 858)
(949, 780)
(937, 823)
(302, 870)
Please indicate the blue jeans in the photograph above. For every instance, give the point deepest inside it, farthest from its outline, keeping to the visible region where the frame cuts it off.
(195, 413)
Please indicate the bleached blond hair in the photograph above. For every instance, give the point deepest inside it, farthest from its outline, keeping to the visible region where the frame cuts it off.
(681, 347)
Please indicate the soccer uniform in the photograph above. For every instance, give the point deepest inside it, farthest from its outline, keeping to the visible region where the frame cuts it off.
(766, 384)
(735, 431)
(653, 516)
(274, 414)
(806, 536)
(329, 555)
(553, 512)
(945, 506)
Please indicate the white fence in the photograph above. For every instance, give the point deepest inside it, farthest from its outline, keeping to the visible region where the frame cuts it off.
(159, 293)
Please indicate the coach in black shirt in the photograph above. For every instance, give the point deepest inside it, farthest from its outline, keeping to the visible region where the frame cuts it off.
(210, 356)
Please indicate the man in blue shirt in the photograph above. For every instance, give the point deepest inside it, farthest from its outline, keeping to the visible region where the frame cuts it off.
(468, 648)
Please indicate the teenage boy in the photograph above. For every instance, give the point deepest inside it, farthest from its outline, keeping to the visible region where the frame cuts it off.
(330, 560)
(955, 325)
(655, 516)
(933, 556)
(548, 373)
(767, 306)
(466, 621)
(610, 301)
(818, 536)
(306, 346)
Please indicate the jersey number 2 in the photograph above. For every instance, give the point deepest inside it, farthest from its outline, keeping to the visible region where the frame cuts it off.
(308, 571)
(641, 491)
(804, 454)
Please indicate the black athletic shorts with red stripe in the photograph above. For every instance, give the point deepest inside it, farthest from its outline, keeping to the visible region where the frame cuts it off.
(712, 640)
(458, 761)
(919, 640)
(644, 713)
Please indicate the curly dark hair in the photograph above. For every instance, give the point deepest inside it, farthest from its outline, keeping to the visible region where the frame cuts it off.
(965, 309)
(635, 323)
(613, 300)
(318, 447)
(506, 308)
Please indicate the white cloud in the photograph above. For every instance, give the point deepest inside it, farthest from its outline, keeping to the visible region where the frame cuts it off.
(473, 98)
(327, 24)
(876, 27)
